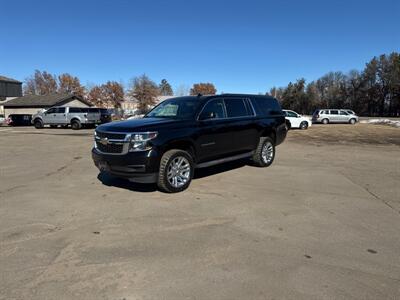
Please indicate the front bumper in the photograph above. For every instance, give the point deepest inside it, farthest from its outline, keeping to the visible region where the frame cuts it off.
(136, 166)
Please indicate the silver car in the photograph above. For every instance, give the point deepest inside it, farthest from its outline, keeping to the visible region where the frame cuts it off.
(326, 116)
(77, 117)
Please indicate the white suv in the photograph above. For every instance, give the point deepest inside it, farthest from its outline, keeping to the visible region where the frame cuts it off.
(294, 120)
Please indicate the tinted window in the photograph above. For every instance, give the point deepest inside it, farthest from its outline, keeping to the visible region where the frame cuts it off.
(214, 109)
(291, 114)
(266, 106)
(334, 112)
(60, 110)
(344, 113)
(235, 108)
(74, 110)
(51, 111)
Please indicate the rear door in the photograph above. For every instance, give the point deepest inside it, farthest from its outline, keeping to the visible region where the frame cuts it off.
(241, 124)
(334, 116)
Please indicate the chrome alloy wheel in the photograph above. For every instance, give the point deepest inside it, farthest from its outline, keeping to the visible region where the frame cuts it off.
(267, 152)
(178, 172)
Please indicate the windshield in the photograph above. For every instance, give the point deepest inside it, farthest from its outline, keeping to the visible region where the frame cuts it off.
(177, 108)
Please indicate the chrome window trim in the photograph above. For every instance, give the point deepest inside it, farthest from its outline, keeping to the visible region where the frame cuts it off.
(226, 113)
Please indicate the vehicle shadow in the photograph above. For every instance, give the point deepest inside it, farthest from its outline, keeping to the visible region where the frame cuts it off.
(229, 166)
(110, 180)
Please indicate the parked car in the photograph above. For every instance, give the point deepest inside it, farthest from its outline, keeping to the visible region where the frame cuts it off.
(326, 116)
(19, 120)
(77, 117)
(184, 133)
(294, 120)
(105, 114)
(2, 119)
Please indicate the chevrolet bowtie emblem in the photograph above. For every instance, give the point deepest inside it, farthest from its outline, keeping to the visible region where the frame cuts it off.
(104, 141)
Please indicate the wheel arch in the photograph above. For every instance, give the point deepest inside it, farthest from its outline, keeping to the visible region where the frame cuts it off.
(270, 132)
(185, 145)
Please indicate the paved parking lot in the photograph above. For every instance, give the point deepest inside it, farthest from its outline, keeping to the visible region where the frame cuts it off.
(323, 222)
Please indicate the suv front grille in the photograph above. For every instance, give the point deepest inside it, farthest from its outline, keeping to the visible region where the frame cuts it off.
(110, 148)
(110, 135)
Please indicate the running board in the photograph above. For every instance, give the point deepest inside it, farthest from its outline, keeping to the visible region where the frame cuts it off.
(224, 160)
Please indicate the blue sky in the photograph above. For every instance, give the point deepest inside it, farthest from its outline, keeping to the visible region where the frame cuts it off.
(240, 46)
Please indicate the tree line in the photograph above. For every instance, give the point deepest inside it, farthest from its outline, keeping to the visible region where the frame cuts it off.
(374, 91)
(110, 94)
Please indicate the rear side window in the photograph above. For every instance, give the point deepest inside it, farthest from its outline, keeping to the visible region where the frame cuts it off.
(266, 106)
(74, 110)
(236, 108)
(334, 112)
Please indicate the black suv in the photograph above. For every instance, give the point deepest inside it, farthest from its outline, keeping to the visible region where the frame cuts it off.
(184, 133)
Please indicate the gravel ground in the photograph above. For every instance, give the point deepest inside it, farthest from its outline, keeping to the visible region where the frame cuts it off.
(321, 223)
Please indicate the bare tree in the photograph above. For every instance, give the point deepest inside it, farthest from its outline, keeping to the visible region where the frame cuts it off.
(70, 84)
(145, 91)
(203, 88)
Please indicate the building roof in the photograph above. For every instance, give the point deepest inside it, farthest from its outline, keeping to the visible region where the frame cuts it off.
(6, 79)
(43, 100)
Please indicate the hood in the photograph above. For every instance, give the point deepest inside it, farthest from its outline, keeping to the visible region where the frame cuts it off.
(142, 124)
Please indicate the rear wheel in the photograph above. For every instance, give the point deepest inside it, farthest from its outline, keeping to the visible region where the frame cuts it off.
(176, 171)
(325, 121)
(352, 121)
(265, 152)
(75, 124)
(304, 125)
(38, 124)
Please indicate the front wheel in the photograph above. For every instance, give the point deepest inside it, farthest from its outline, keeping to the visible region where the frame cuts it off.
(265, 152)
(303, 125)
(38, 124)
(176, 171)
(352, 121)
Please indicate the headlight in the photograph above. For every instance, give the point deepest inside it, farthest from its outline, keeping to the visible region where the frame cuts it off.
(140, 141)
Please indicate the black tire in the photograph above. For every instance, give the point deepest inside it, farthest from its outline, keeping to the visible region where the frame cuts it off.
(38, 124)
(288, 125)
(352, 121)
(325, 121)
(258, 157)
(166, 162)
(75, 125)
(304, 125)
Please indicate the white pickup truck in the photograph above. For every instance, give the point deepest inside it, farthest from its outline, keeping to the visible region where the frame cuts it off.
(77, 117)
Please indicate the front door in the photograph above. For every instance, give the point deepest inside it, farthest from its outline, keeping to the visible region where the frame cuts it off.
(60, 117)
(48, 116)
(214, 138)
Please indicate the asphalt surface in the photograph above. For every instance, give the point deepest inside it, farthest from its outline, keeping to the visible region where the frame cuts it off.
(323, 222)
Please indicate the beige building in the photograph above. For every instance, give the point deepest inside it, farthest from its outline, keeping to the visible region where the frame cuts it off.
(31, 104)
